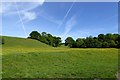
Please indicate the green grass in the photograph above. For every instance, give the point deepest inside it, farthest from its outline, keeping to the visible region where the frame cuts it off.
(22, 42)
(26, 58)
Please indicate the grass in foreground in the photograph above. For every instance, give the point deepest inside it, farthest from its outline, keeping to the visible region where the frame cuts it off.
(47, 62)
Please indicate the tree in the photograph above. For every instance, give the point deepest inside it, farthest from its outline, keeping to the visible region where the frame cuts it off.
(106, 41)
(118, 45)
(44, 40)
(44, 34)
(79, 42)
(69, 41)
(101, 37)
(50, 39)
(35, 35)
(1, 40)
(105, 45)
(108, 37)
(115, 37)
(96, 43)
(57, 41)
(112, 43)
(89, 42)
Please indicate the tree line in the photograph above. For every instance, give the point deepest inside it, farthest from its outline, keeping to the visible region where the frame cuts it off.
(45, 38)
(101, 41)
(1, 40)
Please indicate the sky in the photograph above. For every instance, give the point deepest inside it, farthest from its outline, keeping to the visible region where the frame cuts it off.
(63, 19)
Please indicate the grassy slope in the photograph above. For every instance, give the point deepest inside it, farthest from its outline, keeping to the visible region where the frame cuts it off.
(22, 42)
(32, 59)
(14, 44)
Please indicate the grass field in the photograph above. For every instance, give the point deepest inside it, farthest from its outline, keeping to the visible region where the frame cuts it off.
(26, 58)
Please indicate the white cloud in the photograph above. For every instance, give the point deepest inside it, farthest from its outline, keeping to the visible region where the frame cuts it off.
(70, 24)
(22, 9)
(29, 16)
(23, 1)
(4, 7)
(66, 14)
(10, 7)
(76, 34)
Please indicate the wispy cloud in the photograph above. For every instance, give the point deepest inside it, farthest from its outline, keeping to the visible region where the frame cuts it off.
(76, 34)
(50, 18)
(9, 7)
(22, 10)
(22, 23)
(28, 16)
(0, 7)
(4, 8)
(70, 24)
(66, 14)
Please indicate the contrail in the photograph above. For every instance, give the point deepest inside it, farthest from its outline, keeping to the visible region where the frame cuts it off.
(23, 26)
(67, 14)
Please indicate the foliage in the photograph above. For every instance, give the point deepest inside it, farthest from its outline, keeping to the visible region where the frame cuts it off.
(79, 42)
(46, 38)
(102, 41)
(1, 40)
(56, 41)
(35, 35)
(69, 42)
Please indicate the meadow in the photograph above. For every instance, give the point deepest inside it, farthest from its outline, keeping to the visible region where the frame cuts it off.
(26, 58)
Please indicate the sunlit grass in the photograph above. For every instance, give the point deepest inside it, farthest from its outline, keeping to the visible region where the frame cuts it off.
(42, 61)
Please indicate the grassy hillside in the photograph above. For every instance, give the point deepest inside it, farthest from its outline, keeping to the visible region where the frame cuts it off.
(22, 42)
(15, 44)
(26, 58)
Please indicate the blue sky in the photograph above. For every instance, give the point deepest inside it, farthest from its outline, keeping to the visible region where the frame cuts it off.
(76, 19)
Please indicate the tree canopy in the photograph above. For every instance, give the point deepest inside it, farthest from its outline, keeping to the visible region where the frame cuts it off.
(101, 41)
(1, 40)
(46, 38)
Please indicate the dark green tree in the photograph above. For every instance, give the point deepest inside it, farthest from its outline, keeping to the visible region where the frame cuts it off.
(44, 34)
(57, 41)
(101, 37)
(35, 35)
(112, 43)
(79, 42)
(118, 45)
(69, 41)
(105, 45)
(1, 40)
(89, 42)
(109, 37)
(96, 43)
(44, 38)
(50, 39)
(106, 41)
